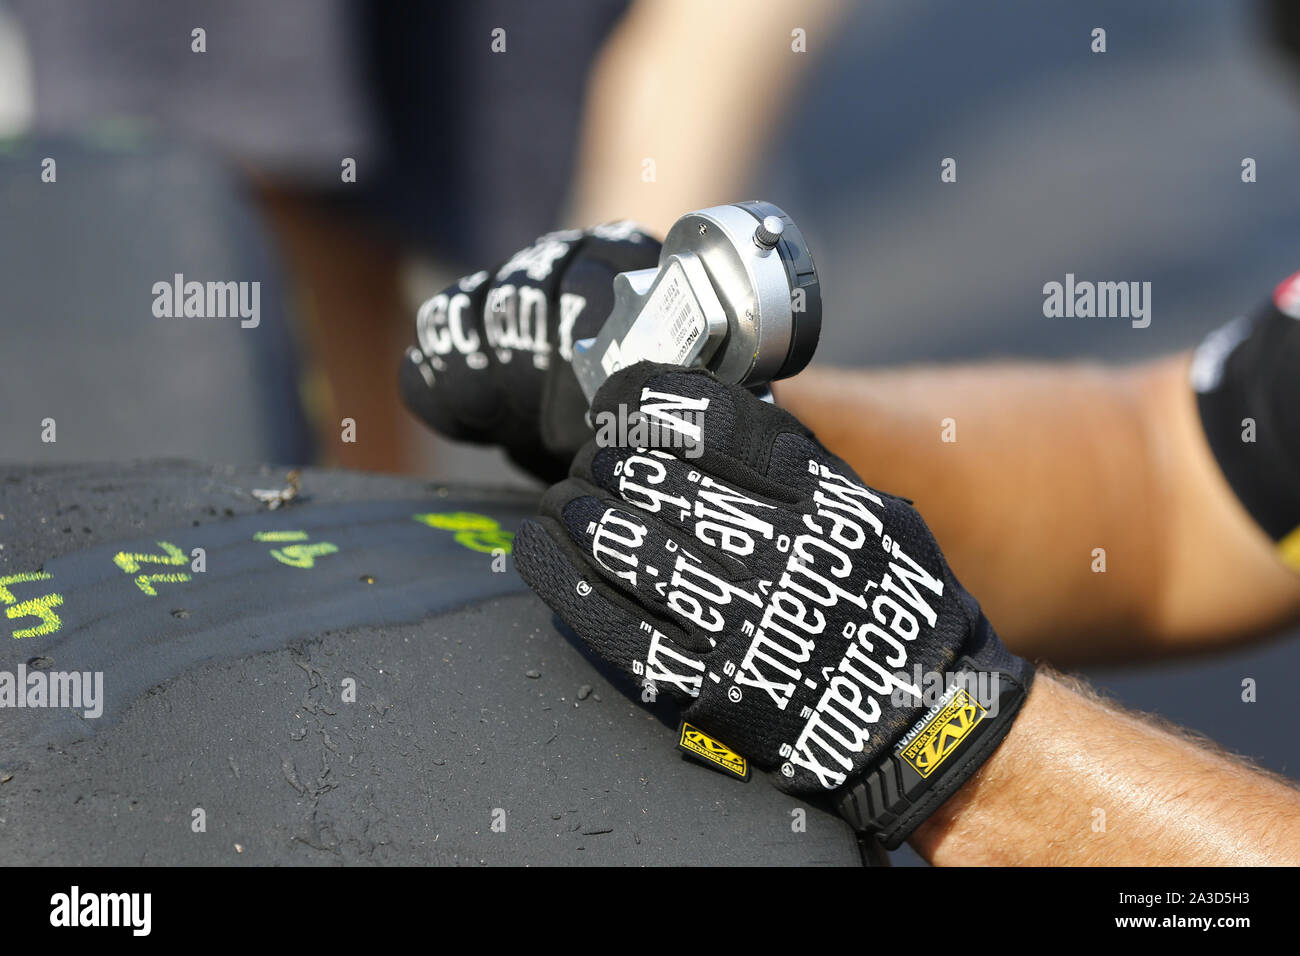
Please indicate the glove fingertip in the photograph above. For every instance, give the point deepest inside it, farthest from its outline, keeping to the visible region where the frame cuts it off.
(607, 628)
(420, 398)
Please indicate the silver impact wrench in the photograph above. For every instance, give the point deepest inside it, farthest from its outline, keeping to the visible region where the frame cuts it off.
(735, 291)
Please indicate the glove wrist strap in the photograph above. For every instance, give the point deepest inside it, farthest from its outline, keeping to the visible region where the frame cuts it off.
(940, 752)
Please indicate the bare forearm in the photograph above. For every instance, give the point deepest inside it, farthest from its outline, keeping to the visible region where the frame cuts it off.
(1080, 504)
(1080, 782)
(1022, 472)
(649, 156)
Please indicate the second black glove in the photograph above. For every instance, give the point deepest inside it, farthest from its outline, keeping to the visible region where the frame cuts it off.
(491, 359)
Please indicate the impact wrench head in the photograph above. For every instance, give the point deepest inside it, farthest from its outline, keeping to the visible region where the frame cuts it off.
(735, 291)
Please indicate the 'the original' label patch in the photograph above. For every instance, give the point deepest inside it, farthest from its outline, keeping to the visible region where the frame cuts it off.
(942, 733)
(715, 753)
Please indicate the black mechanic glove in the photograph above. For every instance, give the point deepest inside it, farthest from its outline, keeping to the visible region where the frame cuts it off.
(809, 622)
(491, 359)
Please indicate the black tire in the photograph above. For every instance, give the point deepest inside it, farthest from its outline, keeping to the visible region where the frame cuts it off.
(224, 693)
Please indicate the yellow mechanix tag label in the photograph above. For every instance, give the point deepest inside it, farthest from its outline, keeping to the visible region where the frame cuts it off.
(697, 743)
(1288, 549)
(943, 733)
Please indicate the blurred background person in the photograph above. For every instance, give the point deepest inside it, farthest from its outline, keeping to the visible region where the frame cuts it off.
(370, 135)
(349, 133)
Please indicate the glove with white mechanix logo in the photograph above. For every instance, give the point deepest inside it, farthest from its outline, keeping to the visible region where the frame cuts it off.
(491, 359)
(707, 545)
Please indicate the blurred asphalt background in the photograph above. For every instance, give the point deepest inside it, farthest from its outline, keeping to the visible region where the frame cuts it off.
(1124, 166)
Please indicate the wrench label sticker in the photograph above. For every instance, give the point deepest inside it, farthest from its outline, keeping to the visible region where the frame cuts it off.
(669, 328)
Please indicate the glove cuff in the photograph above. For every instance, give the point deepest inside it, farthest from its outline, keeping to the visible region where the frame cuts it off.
(985, 690)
